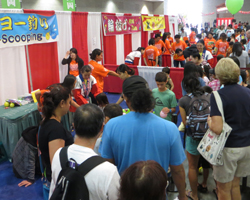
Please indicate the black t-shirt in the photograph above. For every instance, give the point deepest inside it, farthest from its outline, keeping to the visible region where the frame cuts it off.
(236, 106)
(49, 131)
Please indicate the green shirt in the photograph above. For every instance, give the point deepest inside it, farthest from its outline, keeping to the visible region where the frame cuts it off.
(164, 99)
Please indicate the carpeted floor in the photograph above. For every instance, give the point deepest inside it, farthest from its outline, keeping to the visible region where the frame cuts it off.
(9, 189)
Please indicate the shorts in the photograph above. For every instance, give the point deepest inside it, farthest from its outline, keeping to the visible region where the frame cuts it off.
(236, 162)
(191, 146)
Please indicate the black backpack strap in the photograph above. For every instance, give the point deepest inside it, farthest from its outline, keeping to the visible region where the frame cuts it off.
(90, 164)
(64, 157)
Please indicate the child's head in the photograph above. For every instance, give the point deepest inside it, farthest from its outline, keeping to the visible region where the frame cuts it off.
(243, 41)
(161, 80)
(187, 43)
(198, 36)
(112, 110)
(242, 32)
(86, 71)
(177, 38)
(102, 100)
(207, 89)
(141, 49)
(195, 58)
(124, 71)
(212, 74)
(166, 70)
(69, 82)
(157, 37)
(151, 41)
(238, 31)
(219, 57)
(179, 52)
(168, 34)
(231, 44)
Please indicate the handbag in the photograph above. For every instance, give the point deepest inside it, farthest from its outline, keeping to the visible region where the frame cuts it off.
(211, 146)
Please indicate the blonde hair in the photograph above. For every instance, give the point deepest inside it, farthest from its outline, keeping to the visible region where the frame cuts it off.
(227, 71)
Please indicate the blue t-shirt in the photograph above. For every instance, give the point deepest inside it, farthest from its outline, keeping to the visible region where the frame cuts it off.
(236, 106)
(202, 83)
(141, 136)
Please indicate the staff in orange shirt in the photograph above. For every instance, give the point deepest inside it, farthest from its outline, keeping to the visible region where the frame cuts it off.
(74, 62)
(151, 54)
(170, 39)
(210, 43)
(192, 37)
(167, 44)
(160, 45)
(98, 70)
(179, 46)
(222, 45)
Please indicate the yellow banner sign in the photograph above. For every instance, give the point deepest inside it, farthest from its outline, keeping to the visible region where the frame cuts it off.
(151, 23)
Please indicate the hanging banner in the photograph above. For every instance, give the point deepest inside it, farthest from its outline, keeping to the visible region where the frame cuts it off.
(115, 25)
(25, 29)
(69, 5)
(151, 23)
(10, 4)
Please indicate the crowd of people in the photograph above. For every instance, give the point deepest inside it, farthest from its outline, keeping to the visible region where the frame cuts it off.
(142, 146)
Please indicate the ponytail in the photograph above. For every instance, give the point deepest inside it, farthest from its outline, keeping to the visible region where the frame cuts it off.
(95, 53)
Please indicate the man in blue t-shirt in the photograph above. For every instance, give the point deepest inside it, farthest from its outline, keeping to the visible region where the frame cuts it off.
(141, 135)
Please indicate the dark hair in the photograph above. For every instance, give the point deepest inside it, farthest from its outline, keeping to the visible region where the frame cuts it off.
(243, 41)
(68, 82)
(161, 77)
(140, 48)
(206, 69)
(190, 81)
(244, 76)
(198, 36)
(196, 55)
(166, 70)
(177, 37)
(74, 50)
(112, 110)
(199, 70)
(95, 52)
(157, 35)
(230, 25)
(88, 121)
(102, 99)
(151, 41)
(85, 68)
(236, 60)
(142, 101)
(209, 33)
(164, 37)
(223, 36)
(145, 180)
(220, 56)
(52, 99)
(187, 42)
(237, 49)
(192, 29)
(207, 89)
(233, 35)
(231, 43)
(182, 29)
(202, 42)
(178, 51)
(124, 68)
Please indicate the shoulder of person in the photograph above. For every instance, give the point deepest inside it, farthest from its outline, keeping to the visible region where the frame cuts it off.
(155, 90)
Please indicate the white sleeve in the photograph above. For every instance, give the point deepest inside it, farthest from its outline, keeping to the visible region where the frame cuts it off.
(78, 83)
(114, 186)
(137, 54)
(209, 55)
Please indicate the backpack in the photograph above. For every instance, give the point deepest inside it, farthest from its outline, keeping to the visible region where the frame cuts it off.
(70, 184)
(199, 108)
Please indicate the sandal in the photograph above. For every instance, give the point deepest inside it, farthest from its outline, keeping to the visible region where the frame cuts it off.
(189, 194)
(202, 189)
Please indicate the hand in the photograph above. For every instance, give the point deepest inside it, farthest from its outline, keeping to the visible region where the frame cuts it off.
(67, 54)
(166, 110)
(25, 183)
(209, 120)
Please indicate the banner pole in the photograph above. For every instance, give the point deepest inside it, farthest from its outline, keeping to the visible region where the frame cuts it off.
(28, 60)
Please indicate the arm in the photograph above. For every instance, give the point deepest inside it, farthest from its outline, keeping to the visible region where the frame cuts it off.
(178, 174)
(172, 84)
(120, 100)
(156, 61)
(166, 110)
(211, 62)
(112, 73)
(183, 115)
(95, 90)
(79, 98)
(65, 59)
(54, 145)
(111, 160)
(73, 103)
(215, 124)
(145, 61)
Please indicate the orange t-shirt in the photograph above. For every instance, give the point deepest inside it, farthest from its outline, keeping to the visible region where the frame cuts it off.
(210, 43)
(73, 68)
(99, 72)
(181, 45)
(222, 47)
(41, 97)
(151, 52)
(192, 37)
(168, 47)
(171, 40)
(159, 46)
(185, 38)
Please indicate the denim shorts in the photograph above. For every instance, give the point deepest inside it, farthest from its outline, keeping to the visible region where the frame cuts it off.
(191, 146)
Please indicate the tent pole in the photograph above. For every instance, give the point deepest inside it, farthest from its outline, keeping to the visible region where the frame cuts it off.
(28, 60)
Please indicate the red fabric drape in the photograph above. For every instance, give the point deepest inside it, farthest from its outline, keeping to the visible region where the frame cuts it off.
(166, 24)
(80, 34)
(109, 47)
(43, 60)
(127, 42)
(144, 41)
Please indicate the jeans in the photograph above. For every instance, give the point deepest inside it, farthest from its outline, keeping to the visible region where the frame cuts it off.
(160, 61)
(176, 63)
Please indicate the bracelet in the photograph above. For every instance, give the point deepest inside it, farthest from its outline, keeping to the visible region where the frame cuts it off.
(170, 110)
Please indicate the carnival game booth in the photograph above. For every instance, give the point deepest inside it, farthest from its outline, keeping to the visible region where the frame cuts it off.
(34, 42)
